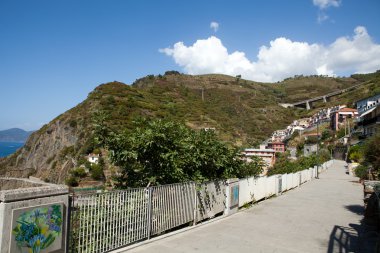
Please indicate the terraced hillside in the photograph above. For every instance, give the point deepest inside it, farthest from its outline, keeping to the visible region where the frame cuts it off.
(242, 112)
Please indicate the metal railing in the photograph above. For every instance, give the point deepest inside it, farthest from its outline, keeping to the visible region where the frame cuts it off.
(172, 206)
(105, 221)
(101, 222)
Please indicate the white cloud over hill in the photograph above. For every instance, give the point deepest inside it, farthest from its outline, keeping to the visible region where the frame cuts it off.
(215, 26)
(281, 58)
(323, 4)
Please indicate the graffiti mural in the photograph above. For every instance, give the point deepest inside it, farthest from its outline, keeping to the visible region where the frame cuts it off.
(37, 229)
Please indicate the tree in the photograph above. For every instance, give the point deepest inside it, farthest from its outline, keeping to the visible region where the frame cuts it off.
(372, 152)
(163, 152)
(96, 171)
(326, 134)
(356, 153)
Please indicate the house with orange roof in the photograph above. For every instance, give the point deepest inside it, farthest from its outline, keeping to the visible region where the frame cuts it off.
(338, 118)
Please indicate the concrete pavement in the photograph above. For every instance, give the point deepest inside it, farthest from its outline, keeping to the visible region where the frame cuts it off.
(321, 216)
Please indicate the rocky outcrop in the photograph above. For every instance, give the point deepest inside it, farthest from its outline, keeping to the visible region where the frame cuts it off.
(48, 153)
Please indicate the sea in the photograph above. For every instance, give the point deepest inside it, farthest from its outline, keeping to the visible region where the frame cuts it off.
(7, 148)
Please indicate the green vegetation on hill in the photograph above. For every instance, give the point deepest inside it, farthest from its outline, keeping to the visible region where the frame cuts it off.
(368, 155)
(164, 152)
(303, 87)
(243, 113)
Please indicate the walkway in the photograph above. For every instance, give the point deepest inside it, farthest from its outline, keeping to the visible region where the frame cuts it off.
(321, 216)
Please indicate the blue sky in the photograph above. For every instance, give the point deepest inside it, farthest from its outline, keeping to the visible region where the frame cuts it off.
(53, 53)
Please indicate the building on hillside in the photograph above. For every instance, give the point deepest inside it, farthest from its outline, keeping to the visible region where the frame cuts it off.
(293, 152)
(276, 138)
(279, 135)
(366, 104)
(310, 149)
(305, 123)
(277, 146)
(368, 109)
(371, 122)
(338, 118)
(93, 158)
(268, 156)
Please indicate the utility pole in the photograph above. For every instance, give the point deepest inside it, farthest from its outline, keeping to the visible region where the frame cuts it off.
(349, 129)
(345, 126)
(317, 149)
(203, 95)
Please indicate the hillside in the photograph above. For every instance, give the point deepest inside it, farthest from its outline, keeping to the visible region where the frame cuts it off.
(14, 135)
(243, 113)
(300, 87)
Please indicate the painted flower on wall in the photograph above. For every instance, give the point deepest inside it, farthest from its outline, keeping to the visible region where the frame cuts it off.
(38, 228)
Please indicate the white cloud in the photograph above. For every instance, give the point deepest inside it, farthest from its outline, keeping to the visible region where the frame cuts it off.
(324, 4)
(322, 17)
(282, 58)
(214, 25)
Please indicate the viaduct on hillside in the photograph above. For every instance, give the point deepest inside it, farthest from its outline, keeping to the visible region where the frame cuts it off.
(307, 104)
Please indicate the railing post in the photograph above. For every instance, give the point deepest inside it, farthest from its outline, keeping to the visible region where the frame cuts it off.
(195, 204)
(69, 219)
(150, 204)
(278, 184)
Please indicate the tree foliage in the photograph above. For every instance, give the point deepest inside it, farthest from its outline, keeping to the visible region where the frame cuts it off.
(284, 165)
(356, 153)
(362, 172)
(162, 152)
(372, 152)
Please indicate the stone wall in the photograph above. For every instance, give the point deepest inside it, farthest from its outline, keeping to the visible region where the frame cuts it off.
(33, 215)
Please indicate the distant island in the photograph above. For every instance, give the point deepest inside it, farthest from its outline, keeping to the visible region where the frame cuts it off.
(14, 135)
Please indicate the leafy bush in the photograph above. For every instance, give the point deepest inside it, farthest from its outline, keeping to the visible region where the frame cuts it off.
(326, 134)
(311, 140)
(341, 133)
(356, 153)
(372, 152)
(67, 151)
(172, 72)
(284, 165)
(361, 172)
(96, 172)
(72, 181)
(73, 123)
(163, 152)
(78, 172)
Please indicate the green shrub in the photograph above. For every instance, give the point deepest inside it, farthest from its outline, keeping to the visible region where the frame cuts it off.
(311, 140)
(361, 172)
(372, 152)
(326, 134)
(67, 151)
(73, 123)
(78, 172)
(165, 152)
(356, 153)
(341, 133)
(96, 172)
(72, 181)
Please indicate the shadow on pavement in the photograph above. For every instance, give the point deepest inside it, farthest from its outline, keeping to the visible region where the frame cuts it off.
(358, 209)
(343, 239)
(355, 238)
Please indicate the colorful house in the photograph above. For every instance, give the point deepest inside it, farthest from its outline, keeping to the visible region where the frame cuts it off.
(268, 156)
(339, 118)
(277, 146)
